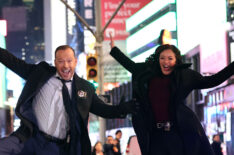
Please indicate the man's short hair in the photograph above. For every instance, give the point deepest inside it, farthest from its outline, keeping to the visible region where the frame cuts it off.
(64, 47)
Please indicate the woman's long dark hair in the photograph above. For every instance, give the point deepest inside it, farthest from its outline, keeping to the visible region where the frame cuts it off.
(94, 147)
(153, 59)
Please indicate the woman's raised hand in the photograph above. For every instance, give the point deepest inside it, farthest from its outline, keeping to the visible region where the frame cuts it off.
(112, 44)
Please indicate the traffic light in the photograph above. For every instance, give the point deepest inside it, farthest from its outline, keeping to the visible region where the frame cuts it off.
(92, 69)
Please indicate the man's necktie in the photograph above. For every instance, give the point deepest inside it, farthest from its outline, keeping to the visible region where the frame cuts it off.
(69, 109)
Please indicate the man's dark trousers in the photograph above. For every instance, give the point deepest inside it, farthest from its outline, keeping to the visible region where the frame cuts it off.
(36, 145)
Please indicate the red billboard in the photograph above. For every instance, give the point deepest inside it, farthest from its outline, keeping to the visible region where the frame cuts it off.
(117, 26)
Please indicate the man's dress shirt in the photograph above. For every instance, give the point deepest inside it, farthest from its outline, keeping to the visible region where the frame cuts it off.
(49, 109)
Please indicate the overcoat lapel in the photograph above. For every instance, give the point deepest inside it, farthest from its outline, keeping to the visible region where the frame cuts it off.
(140, 86)
(81, 97)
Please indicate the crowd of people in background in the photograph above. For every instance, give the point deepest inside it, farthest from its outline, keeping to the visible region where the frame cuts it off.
(111, 146)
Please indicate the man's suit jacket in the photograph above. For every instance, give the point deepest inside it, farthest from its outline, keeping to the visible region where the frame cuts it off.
(36, 75)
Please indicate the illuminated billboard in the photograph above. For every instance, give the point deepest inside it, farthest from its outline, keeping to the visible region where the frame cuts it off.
(2, 75)
(3, 27)
(146, 12)
(198, 21)
(151, 31)
(145, 27)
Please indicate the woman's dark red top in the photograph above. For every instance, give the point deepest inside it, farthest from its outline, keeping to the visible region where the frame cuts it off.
(159, 96)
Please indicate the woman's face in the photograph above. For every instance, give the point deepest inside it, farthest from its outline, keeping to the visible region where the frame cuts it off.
(167, 61)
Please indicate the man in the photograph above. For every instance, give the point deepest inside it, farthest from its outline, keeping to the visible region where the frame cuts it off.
(109, 147)
(54, 107)
(216, 145)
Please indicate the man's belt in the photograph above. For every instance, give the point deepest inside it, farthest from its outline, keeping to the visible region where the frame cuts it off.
(54, 139)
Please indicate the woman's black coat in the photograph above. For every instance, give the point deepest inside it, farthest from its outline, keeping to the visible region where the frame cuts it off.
(184, 80)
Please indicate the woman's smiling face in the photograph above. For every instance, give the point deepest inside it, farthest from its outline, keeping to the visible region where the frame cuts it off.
(167, 61)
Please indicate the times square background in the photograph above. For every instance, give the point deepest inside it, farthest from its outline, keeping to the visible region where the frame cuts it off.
(202, 30)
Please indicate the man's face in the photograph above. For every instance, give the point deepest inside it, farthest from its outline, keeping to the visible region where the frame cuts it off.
(217, 138)
(109, 140)
(65, 63)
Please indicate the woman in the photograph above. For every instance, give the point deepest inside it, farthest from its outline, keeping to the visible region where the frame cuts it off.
(97, 149)
(164, 124)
